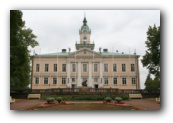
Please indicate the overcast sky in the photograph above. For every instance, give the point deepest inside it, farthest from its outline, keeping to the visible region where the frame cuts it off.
(122, 30)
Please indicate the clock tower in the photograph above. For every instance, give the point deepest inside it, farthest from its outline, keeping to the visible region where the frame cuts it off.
(84, 34)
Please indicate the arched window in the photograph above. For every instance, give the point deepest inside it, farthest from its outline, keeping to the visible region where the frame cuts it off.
(84, 40)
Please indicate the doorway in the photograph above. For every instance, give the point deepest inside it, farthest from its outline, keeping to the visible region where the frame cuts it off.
(73, 85)
(96, 86)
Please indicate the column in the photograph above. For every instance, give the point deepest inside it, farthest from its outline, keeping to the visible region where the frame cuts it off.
(101, 74)
(90, 84)
(68, 75)
(79, 82)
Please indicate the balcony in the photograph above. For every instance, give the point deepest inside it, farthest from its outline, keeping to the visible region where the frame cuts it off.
(85, 45)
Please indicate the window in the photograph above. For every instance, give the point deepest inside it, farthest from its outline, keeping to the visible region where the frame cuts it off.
(37, 67)
(106, 81)
(63, 81)
(84, 67)
(123, 67)
(45, 80)
(114, 67)
(63, 67)
(132, 67)
(133, 81)
(54, 81)
(73, 79)
(55, 67)
(73, 67)
(106, 67)
(95, 79)
(124, 81)
(115, 81)
(95, 67)
(36, 80)
(46, 67)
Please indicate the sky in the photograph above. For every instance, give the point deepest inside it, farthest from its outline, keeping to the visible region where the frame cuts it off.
(122, 30)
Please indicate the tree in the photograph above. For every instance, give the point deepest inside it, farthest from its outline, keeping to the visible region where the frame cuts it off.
(20, 38)
(151, 59)
(151, 84)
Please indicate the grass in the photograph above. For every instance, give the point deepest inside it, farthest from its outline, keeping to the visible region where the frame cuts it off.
(84, 106)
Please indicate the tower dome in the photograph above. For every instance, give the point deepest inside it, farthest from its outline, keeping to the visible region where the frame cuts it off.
(85, 27)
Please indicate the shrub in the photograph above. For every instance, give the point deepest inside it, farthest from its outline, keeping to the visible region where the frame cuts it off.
(59, 99)
(108, 99)
(50, 100)
(118, 99)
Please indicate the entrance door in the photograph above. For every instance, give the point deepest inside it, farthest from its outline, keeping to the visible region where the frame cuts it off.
(73, 85)
(95, 86)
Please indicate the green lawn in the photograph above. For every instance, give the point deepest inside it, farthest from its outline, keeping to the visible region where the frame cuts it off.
(84, 106)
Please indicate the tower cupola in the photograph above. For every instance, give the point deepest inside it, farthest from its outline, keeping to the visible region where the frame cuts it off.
(85, 33)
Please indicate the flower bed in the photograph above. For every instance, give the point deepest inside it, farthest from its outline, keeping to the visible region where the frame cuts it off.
(45, 104)
(114, 103)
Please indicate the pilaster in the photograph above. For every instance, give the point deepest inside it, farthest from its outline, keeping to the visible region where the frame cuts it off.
(79, 84)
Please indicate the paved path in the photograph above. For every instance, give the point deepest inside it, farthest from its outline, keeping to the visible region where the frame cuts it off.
(22, 104)
(146, 104)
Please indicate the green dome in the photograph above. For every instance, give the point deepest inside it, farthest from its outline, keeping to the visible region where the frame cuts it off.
(85, 27)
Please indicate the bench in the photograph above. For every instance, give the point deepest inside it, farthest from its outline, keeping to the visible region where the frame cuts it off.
(158, 100)
(135, 96)
(35, 96)
(12, 100)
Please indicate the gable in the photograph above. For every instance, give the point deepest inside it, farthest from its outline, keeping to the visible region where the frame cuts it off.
(85, 53)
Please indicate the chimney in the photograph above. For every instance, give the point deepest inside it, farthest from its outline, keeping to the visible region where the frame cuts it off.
(105, 50)
(63, 50)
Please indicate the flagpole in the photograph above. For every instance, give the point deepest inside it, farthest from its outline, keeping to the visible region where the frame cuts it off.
(112, 67)
(93, 66)
(75, 69)
(130, 66)
(39, 68)
(57, 69)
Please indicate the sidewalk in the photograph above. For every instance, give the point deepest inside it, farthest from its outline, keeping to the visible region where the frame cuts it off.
(147, 104)
(22, 104)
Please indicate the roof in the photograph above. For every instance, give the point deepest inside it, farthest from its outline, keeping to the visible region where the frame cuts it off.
(104, 54)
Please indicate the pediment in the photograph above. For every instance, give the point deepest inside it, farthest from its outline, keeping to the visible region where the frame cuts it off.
(85, 53)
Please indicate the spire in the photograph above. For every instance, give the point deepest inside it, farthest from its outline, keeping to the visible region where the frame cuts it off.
(84, 20)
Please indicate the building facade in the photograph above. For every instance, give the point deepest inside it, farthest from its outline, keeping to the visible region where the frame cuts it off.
(101, 69)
